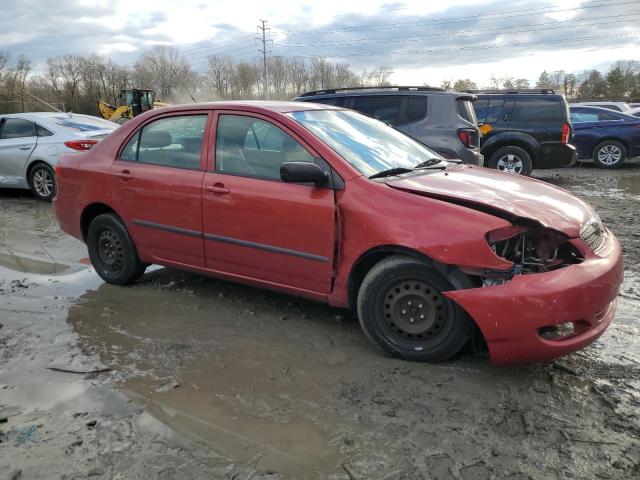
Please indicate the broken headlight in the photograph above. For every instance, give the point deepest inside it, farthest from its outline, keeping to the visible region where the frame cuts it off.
(533, 249)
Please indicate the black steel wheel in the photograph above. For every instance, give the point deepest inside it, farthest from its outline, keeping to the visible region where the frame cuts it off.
(402, 310)
(112, 251)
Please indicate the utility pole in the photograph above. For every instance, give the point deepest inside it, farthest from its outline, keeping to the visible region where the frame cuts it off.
(263, 31)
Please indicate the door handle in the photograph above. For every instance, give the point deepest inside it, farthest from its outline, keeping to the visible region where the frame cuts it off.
(26, 148)
(217, 188)
(124, 174)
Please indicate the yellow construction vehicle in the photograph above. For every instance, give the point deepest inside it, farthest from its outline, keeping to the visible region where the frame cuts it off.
(133, 102)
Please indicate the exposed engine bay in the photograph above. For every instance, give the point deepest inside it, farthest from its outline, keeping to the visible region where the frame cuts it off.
(531, 249)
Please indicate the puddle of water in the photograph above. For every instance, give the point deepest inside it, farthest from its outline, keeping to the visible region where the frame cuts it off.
(27, 264)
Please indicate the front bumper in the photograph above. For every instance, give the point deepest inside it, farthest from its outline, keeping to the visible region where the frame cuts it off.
(510, 316)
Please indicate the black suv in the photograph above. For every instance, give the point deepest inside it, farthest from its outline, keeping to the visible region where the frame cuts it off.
(442, 120)
(524, 129)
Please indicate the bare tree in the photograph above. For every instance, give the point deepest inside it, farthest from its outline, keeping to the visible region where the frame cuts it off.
(164, 69)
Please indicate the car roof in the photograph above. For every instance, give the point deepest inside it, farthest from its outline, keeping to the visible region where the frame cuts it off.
(44, 115)
(255, 106)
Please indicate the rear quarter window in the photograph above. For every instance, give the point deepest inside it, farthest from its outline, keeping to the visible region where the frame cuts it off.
(466, 111)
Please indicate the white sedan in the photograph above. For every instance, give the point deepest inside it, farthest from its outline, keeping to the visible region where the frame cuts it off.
(30, 144)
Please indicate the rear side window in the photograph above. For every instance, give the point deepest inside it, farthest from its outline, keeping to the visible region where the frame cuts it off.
(82, 123)
(384, 108)
(465, 110)
(581, 117)
(17, 128)
(171, 142)
(335, 101)
(416, 108)
(536, 111)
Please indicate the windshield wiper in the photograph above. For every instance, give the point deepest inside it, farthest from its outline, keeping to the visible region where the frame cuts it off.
(429, 163)
(391, 171)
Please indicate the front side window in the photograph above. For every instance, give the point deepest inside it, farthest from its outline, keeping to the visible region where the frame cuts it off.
(384, 108)
(251, 147)
(17, 128)
(368, 145)
(487, 110)
(171, 142)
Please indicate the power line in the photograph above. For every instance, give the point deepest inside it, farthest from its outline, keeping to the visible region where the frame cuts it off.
(476, 47)
(445, 20)
(365, 41)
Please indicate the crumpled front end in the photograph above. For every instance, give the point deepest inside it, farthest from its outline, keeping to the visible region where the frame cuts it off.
(550, 310)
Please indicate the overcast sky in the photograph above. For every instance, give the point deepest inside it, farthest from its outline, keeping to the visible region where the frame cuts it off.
(423, 41)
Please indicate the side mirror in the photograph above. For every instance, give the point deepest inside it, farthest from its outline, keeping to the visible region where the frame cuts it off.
(303, 172)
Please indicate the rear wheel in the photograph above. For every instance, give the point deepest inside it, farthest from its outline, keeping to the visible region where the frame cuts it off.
(112, 251)
(42, 181)
(511, 160)
(609, 154)
(402, 310)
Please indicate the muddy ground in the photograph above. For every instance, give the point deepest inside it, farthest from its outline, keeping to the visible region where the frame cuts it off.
(181, 376)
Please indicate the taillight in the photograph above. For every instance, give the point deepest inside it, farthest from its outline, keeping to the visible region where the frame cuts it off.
(81, 144)
(566, 131)
(468, 137)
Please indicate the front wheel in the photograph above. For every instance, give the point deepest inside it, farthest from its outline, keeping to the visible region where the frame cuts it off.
(609, 154)
(42, 181)
(112, 251)
(402, 310)
(511, 160)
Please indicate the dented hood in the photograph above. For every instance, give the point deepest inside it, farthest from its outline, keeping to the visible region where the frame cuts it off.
(503, 194)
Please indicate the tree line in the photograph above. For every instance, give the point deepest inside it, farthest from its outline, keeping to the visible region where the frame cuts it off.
(620, 83)
(76, 82)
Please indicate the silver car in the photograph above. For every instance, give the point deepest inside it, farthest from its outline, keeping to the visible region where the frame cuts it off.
(30, 144)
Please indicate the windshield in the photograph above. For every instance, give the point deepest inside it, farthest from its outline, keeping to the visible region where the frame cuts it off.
(367, 144)
(82, 123)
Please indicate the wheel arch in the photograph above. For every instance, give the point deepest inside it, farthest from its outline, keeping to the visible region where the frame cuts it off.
(90, 212)
(613, 138)
(371, 257)
(488, 150)
(32, 163)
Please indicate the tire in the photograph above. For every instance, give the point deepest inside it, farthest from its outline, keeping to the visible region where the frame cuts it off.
(402, 310)
(42, 181)
(511, 160)
(609, 154)
(112, 251)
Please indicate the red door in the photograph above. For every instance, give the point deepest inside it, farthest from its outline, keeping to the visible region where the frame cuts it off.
(256, 226)
(157, 186)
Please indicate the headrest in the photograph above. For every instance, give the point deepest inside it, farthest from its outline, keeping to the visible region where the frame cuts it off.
(156, 139)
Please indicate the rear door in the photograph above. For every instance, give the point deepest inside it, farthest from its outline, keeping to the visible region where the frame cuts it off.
(539, 116)
(18, 139)
(255, 225)
(157, 184)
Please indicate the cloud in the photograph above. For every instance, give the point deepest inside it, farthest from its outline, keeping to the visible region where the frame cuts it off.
(403, 35)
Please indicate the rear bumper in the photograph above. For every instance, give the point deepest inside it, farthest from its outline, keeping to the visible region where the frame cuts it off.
(555, 155)
(510, 316)
(68, 212)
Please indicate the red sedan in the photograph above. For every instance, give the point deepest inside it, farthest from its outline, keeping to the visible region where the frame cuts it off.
(328, 204)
